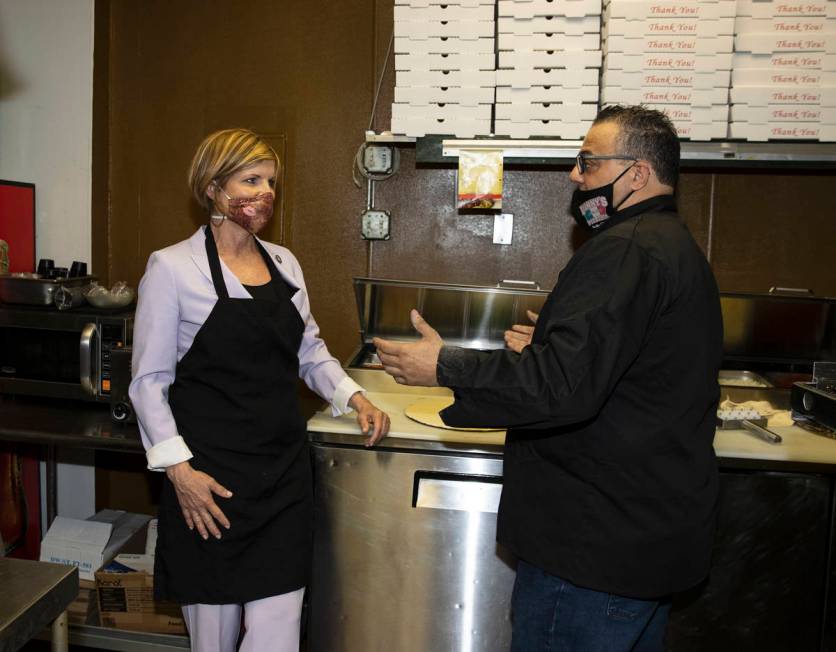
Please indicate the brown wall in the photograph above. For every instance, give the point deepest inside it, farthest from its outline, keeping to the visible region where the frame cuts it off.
(304, 73)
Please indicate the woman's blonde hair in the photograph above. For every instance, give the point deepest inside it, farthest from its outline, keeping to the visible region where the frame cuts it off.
(222, 154)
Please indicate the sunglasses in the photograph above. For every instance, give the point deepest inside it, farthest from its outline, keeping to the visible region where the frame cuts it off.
(581, 160)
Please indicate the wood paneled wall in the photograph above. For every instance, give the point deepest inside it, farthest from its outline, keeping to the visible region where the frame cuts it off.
(306, 72)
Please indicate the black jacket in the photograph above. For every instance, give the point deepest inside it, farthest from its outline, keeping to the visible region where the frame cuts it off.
(610, 479)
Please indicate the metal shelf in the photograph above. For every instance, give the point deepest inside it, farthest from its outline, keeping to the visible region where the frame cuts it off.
(120, 640)
(443, 151)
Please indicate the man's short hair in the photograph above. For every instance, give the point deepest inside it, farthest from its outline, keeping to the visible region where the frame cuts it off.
(646, 134)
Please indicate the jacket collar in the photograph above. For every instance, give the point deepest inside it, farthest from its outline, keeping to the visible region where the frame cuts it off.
(197, 243)
(657, 204)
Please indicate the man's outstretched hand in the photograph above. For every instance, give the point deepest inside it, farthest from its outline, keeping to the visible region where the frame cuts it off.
(412, 363)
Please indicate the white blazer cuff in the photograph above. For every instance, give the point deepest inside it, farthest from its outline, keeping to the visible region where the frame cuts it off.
(345, 390)
(167, 453)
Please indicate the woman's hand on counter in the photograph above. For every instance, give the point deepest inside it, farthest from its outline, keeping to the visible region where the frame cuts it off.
(373, 422)
(194, 492)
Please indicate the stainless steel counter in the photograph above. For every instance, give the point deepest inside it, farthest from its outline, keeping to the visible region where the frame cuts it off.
(35, 594)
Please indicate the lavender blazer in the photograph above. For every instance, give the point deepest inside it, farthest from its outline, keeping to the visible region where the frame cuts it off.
(176, 295)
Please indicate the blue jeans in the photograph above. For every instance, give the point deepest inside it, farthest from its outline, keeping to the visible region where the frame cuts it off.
(550, 613)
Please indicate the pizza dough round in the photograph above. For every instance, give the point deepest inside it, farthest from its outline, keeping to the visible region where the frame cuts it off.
(427, 410)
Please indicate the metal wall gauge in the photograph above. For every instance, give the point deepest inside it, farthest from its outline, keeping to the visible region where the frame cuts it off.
(378, 159)
(374, 224)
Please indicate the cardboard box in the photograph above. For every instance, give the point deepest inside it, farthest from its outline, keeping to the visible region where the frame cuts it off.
(583, 94)
(772, 43)
(84, 609)
(565, 77)
(457, 61)
(779, 8)
(445, 78)
(669, 27)
(685, 113)
(459, 127)
(668, 61)
(787, 61)
(776, 113)
(442, 45)
(549, 25)
(464, 95)
(572, 59)
(409, 13)
(701, 131)
(766, 95)
(693, 97)
(451, 3)
(787, 26)
(441, 111)
(666, 79)
(125, 592)
(458, 29)
(534, 8)
(527, 112)
(781, 131)
(787, 77)
(668, 44)
(548, 42)
(553, 128)
(653, 9)
(88, 544)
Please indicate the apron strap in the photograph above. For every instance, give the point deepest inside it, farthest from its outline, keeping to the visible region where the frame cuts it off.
(275, 277)
(215, 264)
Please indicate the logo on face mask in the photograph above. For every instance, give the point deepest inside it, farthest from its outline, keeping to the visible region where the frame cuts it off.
(592, 208)
(250, 213)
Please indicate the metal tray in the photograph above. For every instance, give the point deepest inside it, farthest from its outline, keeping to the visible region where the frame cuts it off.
(36, 291)
(735, 378)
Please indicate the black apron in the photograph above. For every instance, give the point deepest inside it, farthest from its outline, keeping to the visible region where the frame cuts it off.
(235, 403)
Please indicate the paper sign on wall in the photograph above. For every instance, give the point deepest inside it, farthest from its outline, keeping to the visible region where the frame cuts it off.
(480, 180)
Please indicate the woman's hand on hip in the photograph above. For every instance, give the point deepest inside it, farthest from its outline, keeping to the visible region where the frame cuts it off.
(373, 422)
(194, 492)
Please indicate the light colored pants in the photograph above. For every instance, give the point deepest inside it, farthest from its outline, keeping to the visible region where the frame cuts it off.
(269, 624)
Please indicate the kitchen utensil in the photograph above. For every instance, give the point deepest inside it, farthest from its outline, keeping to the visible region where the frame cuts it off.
(45, 267)
(78, 269)
(36, 291)
(749, 420)
(119, 296)
(68, 297)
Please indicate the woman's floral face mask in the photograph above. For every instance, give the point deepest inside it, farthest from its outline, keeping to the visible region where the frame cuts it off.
(251, 213)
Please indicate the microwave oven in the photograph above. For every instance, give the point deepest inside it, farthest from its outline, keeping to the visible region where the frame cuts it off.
(60, 354)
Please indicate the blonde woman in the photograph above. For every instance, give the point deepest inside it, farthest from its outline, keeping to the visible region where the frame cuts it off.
(223, 330)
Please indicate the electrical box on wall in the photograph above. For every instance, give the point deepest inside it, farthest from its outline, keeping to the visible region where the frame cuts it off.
(375, 224)
(378, 159)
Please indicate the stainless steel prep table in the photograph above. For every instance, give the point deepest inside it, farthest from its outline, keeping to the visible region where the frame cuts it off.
(405, 553)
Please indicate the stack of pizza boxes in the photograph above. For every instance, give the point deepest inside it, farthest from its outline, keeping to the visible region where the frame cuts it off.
(674, 56)
(784, 71)
(445, 67)
(548, 68)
